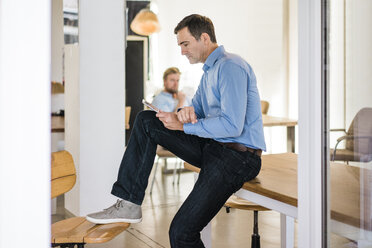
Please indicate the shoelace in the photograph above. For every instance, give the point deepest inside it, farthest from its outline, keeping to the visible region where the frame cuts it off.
(117, 205)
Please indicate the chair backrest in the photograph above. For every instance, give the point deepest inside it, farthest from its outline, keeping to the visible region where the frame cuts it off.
(63, 173)
(264, 107)
(361, 126)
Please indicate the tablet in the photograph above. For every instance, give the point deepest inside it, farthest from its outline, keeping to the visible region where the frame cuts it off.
(150, 106)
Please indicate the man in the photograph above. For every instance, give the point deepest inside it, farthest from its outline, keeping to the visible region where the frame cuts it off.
(221, 133)
(170, 99)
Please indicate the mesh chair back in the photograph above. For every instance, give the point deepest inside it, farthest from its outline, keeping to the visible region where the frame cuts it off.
(361, 126)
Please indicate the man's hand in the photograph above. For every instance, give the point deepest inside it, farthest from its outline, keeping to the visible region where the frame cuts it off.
(170, 120)
(180, 96)
(187, 115)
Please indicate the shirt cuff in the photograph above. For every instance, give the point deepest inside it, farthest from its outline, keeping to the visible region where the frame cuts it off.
(189, 128)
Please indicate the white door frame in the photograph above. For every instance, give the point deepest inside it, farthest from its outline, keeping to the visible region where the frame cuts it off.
(310, 119)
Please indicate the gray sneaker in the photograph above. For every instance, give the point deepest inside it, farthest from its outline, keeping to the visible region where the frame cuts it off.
(121, 211)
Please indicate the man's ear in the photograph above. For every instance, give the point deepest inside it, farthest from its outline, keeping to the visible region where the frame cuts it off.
(205, 38)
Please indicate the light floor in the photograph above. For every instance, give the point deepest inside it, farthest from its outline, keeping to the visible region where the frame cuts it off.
(229, 230)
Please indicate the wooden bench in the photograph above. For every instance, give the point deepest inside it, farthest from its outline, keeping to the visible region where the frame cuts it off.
(75, 231)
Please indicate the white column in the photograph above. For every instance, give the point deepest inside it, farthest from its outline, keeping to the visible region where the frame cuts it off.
(102, 105)
(25, 123)
(72, 120)
(309, 123)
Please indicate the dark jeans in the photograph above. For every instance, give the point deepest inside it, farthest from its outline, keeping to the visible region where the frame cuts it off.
(223, 172)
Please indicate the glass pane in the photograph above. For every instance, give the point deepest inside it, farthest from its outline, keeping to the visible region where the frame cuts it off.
(349, 41)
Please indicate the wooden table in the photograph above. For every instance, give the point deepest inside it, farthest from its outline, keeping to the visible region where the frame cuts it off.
(271, 121)
(276, 188)
(58, 124)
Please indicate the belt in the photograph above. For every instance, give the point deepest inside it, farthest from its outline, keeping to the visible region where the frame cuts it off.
(241, 148)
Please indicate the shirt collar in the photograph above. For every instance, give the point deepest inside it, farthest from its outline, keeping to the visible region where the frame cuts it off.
(213, 57)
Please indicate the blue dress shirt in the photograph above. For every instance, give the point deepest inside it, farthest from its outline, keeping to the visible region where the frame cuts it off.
(227, 102)
(165, 102)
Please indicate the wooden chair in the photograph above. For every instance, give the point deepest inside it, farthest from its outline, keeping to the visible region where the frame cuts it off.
(164, 154)
(75, 231)
(264, 107)
(358, 139)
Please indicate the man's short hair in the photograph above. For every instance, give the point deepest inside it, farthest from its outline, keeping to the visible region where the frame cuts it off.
(197, 25)
(171, 70)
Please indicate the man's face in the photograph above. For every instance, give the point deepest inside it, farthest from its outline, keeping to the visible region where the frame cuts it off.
(171, 83)
(193, 49)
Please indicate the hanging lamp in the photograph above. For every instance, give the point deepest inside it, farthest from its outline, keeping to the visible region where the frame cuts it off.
(145, 22)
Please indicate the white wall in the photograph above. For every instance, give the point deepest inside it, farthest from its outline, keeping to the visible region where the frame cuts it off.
(57, 100)
(350, 59)
(358, 57)
(253, 29)
(25, 123)
(57, 40)
(243, 27)
(336, 69)
(101, 103)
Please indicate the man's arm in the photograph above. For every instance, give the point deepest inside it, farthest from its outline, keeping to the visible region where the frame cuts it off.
(196, 102)
(181, 97)
(190, 114)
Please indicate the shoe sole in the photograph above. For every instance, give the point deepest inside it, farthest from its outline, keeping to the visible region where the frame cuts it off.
(109, 221)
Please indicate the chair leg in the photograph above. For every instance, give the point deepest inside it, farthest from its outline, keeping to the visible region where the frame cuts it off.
(153, 178)
(165, 165)
(177, 168)
(179, 172)
(255, 236)
(67, 245)
(174, 171)
(227, 209)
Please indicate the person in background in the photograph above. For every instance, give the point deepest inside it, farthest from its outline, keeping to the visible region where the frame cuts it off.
(170, 98)
(221, 133)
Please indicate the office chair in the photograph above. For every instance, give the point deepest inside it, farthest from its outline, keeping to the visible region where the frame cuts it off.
(358, 138)
(239, 203)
